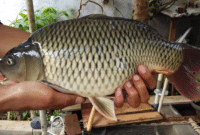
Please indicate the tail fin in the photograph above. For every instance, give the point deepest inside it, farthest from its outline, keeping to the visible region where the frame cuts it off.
(184, 79)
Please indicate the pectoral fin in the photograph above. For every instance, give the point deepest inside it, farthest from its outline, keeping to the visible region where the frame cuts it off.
(104, 106)
(56, 87)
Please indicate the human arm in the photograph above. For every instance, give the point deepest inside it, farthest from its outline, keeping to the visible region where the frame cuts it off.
(33, 96)
(10, 37)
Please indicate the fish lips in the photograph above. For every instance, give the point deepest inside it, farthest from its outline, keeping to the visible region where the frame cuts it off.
(1, 74)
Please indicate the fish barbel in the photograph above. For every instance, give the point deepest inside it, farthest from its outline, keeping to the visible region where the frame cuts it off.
(93, 55)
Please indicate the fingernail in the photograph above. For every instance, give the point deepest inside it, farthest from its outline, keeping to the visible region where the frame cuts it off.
(142, 69)
(79, 100)
(128, 84)
(136, 77)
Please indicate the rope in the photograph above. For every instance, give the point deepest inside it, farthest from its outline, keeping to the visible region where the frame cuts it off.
(195, 126)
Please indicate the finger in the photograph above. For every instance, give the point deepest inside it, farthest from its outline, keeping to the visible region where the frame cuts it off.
(132, 95)
(147, 77)
(119, 99)
(141, 88)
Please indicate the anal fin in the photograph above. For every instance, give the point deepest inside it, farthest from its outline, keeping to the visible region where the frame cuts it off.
(104, 106)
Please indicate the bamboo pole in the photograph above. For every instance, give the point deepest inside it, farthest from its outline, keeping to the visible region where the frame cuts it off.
(141, 9)
(91, 117)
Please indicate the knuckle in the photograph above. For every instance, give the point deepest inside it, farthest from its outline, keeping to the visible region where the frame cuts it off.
(128, 85)
(133, 93)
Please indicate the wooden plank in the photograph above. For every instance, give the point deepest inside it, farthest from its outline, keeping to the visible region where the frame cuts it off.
(72, 125)
(127, 109)
(171, 100)
(125, 115)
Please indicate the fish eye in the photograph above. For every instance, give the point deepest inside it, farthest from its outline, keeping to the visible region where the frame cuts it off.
(10, 61)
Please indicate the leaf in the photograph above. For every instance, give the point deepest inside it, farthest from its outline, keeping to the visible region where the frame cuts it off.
(22, 15)
(40, 22)
(65, 13)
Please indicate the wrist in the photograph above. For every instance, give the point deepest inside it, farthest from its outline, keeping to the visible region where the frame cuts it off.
(7, 99)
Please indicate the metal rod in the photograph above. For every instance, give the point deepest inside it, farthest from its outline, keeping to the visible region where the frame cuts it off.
(43, 122)
(163, 94)
(157, 90)
(184, 35)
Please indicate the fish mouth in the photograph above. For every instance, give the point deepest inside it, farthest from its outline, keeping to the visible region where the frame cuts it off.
(2, 76)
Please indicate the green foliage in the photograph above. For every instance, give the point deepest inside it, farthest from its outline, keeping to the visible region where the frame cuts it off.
(12, 116)
(154, 5)
(43, 17)
(131, 16)
(55, 113)
(24, 114)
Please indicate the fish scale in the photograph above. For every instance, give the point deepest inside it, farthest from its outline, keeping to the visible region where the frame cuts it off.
(94, 55)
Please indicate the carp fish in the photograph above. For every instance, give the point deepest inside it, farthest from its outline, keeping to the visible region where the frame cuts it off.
(93, 55)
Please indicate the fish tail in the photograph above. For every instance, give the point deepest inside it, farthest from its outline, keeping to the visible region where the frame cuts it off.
(184, 78)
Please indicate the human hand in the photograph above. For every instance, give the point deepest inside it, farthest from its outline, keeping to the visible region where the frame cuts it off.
(136, 90)
(34, 96)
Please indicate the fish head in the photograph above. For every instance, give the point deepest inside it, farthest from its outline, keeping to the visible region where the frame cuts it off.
(21, 63)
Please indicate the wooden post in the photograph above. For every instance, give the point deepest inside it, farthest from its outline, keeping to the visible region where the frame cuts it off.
(30, 12)
(172, 31)
(141, 9)
(8, 116)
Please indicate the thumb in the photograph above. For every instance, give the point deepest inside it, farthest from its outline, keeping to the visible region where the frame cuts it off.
(64, 100)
